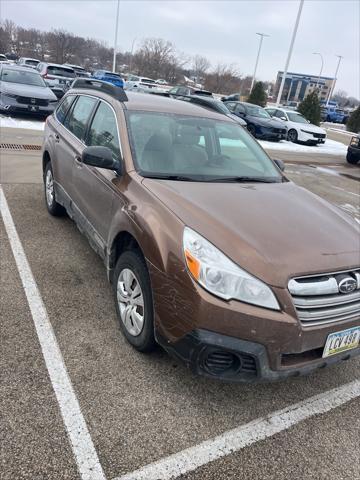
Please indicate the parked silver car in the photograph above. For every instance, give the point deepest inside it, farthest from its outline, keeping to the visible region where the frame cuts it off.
(28, 62)
(58, 77)
(23, 90)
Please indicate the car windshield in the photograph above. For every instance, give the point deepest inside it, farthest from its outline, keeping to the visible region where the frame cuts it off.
(221, 107)
(187, 148)
(20, 76)
(257, 111)
(296, 117)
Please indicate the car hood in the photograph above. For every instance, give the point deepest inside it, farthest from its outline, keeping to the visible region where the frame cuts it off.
(27, 90)
(266, 122)
(274, 231)
(310, 127)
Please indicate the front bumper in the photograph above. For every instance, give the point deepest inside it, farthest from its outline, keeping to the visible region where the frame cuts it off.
(250, 360)
(188, 321)
(11, 106)
(267, 134)
(310, 139)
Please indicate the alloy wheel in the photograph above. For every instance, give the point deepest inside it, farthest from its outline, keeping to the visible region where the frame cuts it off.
(49, 188)
(131, 302)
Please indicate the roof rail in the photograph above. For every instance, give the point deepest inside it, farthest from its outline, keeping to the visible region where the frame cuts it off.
(100, 86)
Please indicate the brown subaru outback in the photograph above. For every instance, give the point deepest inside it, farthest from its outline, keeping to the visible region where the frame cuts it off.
(211, 251)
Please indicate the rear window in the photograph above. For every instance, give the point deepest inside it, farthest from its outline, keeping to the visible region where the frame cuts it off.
(77, 119)
(112, 75)
(31, 62)
(61, 72)
(147, 80)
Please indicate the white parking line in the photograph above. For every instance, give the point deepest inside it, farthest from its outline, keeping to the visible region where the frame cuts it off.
(241, 437)
(80, 440)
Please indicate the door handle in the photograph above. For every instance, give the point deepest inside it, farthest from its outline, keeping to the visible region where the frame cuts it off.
(57, 138)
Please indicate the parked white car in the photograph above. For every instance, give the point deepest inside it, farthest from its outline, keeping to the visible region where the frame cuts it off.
(140, 83)
(299, 129)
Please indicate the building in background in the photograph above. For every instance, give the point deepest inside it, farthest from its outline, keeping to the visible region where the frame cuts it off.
(298, 85)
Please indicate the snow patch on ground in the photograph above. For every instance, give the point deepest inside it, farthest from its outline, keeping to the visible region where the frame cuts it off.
(11, 122)
(330, 147)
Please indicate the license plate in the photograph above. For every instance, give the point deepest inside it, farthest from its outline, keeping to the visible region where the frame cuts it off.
(339, 342)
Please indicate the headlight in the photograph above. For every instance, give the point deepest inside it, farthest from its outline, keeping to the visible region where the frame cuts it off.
(222, 277)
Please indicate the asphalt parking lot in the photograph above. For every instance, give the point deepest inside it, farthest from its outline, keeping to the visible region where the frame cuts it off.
(140, 409)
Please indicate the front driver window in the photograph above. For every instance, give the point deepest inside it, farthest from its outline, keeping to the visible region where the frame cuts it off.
(103, 130)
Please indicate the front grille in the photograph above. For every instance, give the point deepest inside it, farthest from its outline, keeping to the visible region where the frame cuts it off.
(319, 135)
(323, 299)
(279, 130)
(32, 101)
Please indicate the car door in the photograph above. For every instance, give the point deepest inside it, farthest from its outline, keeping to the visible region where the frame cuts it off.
(94, 191)
(69, 140)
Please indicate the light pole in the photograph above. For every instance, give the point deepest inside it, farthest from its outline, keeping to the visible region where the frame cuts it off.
(262, 35)
(335, 78)
(289, 54)
(322, 66)
(116, 35)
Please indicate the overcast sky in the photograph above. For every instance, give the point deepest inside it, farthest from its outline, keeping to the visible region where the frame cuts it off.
(223, 31)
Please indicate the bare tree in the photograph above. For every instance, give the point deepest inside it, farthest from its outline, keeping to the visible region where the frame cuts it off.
(200, 65)
(155, 57)
(223, 79)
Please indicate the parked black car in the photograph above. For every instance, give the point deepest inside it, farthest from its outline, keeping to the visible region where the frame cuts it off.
(212, 104)
(259, 123)
(234, 97)
(22, 90)
(184, 90)
(353, 153)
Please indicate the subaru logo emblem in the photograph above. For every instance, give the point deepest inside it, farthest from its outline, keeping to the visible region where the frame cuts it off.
(347, 285)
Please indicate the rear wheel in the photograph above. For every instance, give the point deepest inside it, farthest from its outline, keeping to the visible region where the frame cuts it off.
(292, 135)
(54, 208)
(133, 300)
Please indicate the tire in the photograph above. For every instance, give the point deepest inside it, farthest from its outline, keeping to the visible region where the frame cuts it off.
(292, 135)
(252, 130)
(350, 158)
(54, 208)
(135, 312)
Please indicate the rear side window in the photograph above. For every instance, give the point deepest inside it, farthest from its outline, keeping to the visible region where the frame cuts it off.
(240, 108)
(63, 108)
(77, 120)
(103, 130)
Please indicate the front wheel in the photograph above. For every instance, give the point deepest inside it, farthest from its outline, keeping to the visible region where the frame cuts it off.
(252, 130)
(350, 158)
(54, 208)
(292, 135)
(133, 301)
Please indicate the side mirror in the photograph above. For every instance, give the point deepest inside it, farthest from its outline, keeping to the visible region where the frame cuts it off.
(101, 157)
(283, 118)
(279, 163)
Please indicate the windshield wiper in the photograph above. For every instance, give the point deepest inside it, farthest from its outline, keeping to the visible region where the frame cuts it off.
(244, 179)
(181, 178)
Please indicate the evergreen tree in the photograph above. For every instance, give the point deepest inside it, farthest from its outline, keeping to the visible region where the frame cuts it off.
(310, 108)
(353, 123)
(258, 95)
